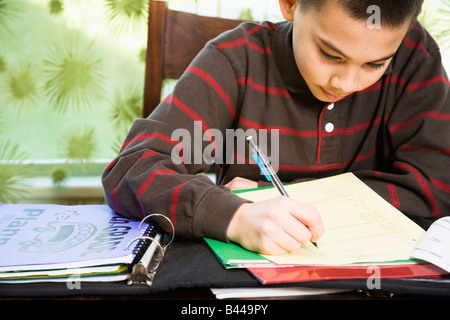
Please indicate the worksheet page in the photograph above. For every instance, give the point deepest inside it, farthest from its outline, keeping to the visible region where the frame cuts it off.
(360, 226)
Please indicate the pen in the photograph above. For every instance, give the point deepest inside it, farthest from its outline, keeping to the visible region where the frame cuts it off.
(267, 169)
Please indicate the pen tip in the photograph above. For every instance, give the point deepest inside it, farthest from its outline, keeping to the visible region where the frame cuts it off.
(315, 244)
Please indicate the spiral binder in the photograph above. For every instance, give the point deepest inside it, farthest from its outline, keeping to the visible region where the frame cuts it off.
(149, 252)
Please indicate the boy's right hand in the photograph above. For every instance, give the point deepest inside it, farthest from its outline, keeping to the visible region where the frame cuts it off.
(275, 226)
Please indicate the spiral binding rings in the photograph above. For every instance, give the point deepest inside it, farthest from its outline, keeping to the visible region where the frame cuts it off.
(143, 273)
(147, 238)
(163, 216)
(150, 238)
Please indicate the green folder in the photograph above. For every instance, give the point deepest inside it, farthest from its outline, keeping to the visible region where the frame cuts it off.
(234, 256)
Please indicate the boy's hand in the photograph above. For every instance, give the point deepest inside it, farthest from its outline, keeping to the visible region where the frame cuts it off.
(275, 226)
(239, 183)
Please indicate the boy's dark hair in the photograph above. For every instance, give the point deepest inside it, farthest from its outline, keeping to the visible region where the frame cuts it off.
(394, 13)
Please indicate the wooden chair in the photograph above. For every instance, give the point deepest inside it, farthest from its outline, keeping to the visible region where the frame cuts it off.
(174, 39)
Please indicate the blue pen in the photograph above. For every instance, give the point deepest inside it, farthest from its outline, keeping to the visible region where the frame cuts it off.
(267, 169)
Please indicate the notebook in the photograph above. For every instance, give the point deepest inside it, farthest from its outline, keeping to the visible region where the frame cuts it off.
(47, 242)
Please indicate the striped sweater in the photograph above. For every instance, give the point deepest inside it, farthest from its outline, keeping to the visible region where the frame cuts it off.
(394, 135)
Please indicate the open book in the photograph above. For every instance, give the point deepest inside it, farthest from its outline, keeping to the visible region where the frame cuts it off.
(435, 245)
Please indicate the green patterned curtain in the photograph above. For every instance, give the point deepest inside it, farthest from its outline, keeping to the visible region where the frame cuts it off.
(71, 83)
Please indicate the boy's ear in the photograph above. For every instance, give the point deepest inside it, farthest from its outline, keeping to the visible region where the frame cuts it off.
(287, 8)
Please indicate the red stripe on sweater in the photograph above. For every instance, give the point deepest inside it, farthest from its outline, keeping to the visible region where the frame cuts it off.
(115, 200)
(213, 83)
(320, 134)
(307, 169)
(111, 164)
(392, 78)
(419, 29)
(260, 27)
(309, 133)
(146, 136)
(302, 169)
(263, 88)
(388, 80)
(355, 128)
(175, 200)
(401, 82)
(148, 181)
(281, 130)
(423, 186)
(440, 185)
(438, 150)
(413, 45)
(364, 157)
(146, 154)
(188, 111)
(429, 82)
(393, 195)
(429, 114)
(193, 115)
(243, 42)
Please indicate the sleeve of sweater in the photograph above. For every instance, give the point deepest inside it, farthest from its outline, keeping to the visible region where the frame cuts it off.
(156, 170)
(417, 131)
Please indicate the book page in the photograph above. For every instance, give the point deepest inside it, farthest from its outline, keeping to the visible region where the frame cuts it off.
(435, 245)
(360, 226)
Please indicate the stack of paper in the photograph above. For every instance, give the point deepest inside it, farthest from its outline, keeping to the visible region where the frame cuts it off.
(270, 292)
(362, 230)
(57, 243)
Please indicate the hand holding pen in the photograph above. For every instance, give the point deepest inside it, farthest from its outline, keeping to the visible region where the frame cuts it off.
(267, 169)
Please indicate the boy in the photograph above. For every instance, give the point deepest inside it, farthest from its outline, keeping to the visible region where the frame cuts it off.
(344, 90)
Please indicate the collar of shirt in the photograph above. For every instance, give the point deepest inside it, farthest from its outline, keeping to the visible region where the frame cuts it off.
(284, 56)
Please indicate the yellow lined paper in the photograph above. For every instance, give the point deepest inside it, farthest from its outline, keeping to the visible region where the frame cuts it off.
(360, 226)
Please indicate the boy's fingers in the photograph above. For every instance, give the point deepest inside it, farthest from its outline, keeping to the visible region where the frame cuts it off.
(309, 216)
(298, 232)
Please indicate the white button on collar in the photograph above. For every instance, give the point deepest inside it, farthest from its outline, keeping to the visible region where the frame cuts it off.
(330, 107)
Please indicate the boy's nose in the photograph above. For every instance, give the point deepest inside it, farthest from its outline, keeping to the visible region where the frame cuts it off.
(345, 82)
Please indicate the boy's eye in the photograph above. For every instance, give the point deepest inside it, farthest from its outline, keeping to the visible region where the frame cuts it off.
(328, 57)
(376, 65)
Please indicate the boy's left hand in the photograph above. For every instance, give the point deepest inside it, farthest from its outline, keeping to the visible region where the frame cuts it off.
(239, 183)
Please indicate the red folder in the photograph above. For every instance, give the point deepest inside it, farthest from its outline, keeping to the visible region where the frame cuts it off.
(317, 273)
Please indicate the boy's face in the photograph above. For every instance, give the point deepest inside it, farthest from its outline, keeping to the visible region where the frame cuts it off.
(337, 54)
